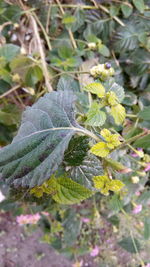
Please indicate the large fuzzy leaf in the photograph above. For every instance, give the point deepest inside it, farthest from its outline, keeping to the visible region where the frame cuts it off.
(83, 174)
(127, 37)
(38, 149)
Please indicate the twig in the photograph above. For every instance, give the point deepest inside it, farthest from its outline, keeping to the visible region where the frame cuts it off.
(44, 32)
(43, 60)
(107, 11)
(69, 30)
(10, 91)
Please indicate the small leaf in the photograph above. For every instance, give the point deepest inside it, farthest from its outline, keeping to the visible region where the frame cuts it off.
(95, 88)
(145, 114)
(143, 142)
(147, 228)
(104, 50)
(34, 75)
(118, 113)
(68, 19)
(65, 52)
(104, 183)
(9, 51)
(128, 244)
(66, 191)
(95, 117)
(114, 10)
(126, 9)
(100, 149)
(118, 90)
(139, 4)
(21, 64)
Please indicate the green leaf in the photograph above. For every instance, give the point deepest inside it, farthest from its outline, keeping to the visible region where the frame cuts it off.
(127, 244)
(76, 151)
(100, 149)
(114, 10)
(143, 142)
(44, 135)
(147, 228)
(83, 174)
(21, 64)
(5, 75)
(95, 117)
(127, 37)
(4, 86)
(95, 88)
(34, 75)
(65, 52)
(115, 204)
(145, 114)
(126, 9)
(117, 89)
(105, 184)
(104, 50)
(68, 19)
(144, 198)
(115, 164)
(66, 191)
(72, 226)
(118, 112)
(139, 4)
(67, 83)
(9, 51)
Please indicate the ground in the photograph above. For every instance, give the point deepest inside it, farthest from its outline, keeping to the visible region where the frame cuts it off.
(20, 250)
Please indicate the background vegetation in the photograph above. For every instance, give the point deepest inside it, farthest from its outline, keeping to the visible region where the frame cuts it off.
(50, 46)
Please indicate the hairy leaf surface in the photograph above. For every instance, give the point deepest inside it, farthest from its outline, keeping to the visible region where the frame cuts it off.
(38, 149)
(83, 174)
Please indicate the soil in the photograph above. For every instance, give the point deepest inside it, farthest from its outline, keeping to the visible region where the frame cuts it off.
(19, 250)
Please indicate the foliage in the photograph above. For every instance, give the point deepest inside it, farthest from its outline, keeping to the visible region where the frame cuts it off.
(82, 139)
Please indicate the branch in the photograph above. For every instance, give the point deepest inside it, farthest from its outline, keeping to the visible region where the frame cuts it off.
(43, 60)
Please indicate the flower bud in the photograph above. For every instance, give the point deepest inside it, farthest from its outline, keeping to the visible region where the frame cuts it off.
(135, 179)
(16, 78)
(92, 46)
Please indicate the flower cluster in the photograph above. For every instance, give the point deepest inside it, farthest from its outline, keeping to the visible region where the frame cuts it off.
(102, 149)
(28, 219)
(103, 71)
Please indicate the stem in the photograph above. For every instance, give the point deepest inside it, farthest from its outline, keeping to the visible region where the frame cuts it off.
(107, 12)
(132, 139)
(44, 32)
(10, 91)
(43, 60)
(69, 30)
(132, 237)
